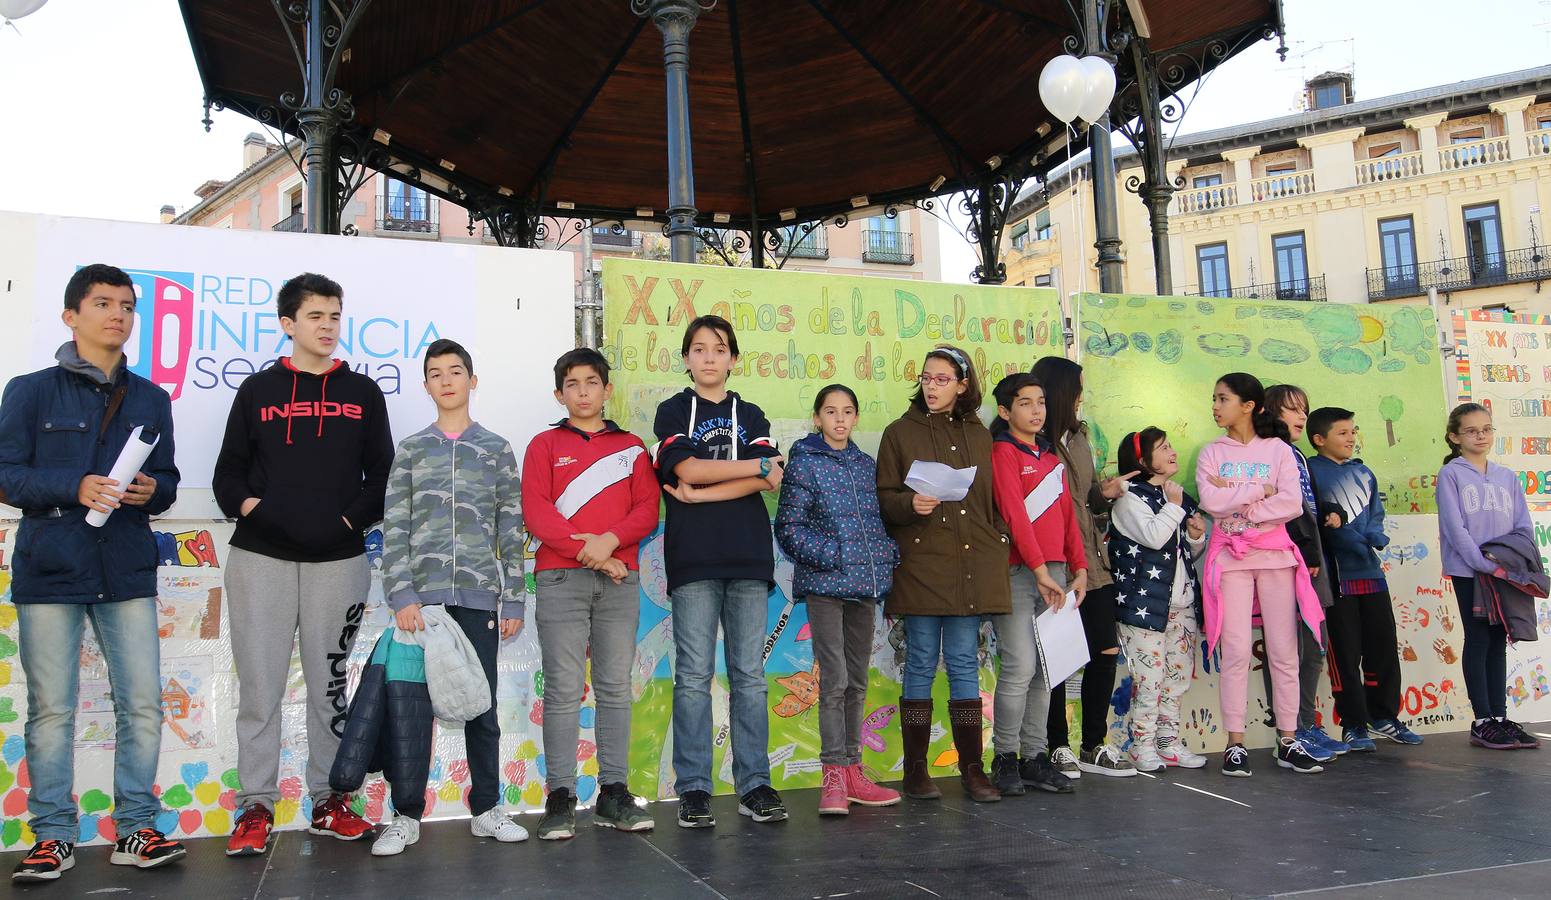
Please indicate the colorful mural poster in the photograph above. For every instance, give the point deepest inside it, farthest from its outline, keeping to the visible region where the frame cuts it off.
(1503, 362)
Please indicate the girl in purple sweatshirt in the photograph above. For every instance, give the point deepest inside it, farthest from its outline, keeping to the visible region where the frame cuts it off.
(1479, 501)
(1249, 485)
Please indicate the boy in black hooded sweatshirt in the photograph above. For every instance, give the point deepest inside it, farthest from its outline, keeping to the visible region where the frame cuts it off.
(303, 469)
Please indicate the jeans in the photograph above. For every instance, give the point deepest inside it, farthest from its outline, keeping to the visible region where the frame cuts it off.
(953, 638)
(842, 648)
(1021, 703)
(579, 610)
(739, 606)
(1484, 661)
(50, 638)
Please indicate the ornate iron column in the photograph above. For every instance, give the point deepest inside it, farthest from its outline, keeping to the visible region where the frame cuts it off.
(1101, 160)
(1154, 188)
(675, 19)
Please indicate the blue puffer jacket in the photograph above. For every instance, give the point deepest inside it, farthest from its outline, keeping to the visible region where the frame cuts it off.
(828, 523)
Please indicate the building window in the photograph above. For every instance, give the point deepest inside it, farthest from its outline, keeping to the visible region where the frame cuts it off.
(1397, 251)
(407, 208)
(1292, 266)
(883, 242)
(1484, 242)
(1212, 269)
(291, 218)
(1020, 235)
(1379, 151)
(1465, 137)
(1206, 181)
(1542, 141)
(1042, 229)
(1042, 281)
(1328, 95)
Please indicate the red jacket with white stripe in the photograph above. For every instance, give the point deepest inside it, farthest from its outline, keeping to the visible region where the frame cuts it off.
(574, 482)
(1029, 484)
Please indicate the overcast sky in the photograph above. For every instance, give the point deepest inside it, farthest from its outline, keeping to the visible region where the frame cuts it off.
(100, 102)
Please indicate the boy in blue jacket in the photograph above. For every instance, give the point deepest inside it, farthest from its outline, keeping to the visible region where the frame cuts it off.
(1364, 664)
(61, 430)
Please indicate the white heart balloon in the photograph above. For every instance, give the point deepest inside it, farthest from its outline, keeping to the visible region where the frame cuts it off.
(1099, 88)
(1062, 87)
(16, 9)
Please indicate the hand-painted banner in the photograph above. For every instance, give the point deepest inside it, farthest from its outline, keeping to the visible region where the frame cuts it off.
(1504, 362)
(1154, 361)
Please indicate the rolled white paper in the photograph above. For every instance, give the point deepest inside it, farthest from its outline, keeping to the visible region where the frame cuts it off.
(128, 464)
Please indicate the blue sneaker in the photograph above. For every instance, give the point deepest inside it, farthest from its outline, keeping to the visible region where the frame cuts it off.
(1323, 739)
(1312, 745)
(1358, 740)
(1391, 729)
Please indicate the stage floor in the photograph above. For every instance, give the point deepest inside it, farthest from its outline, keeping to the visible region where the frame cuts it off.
(1442, 820)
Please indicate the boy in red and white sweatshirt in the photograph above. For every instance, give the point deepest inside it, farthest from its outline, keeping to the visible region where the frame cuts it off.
(590, 497)
(1047, 558)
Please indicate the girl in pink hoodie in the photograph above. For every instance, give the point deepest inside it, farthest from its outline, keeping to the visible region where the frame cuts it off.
(1248, 481)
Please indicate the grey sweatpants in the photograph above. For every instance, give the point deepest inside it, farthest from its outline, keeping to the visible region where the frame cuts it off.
(271, 601)
(582, 613)
(842, 648)
(1021, 703)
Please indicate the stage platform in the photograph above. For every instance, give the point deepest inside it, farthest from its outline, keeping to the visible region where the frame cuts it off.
(1442, 820)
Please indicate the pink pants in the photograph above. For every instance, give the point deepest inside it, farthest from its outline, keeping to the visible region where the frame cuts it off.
(1279, 624)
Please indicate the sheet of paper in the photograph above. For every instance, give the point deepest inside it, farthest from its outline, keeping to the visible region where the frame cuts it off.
(1063, 648)
(940, 482)
(130, 459)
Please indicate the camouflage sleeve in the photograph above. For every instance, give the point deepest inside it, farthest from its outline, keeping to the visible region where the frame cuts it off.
(397, 579)
(509, 537)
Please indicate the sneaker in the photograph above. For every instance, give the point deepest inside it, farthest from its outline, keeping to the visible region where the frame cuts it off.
(45, 862)
(250, 836)
(1358, 740)
(1104, 760)
(1145, 758)
(1323, 739)
(146, 849)
(621, 810)
(400, 833)
(335, 818)
(1312, 747)
(1524, 739)
(1235, 762)
(1065, 762)
(866, 791)
(1006, 774)
(762, 804)
(1491, 734)
(832, 795)
(1173, 752)
(1392, 730)
(494, 823)
(559, 820)
(1041, 772)
(1291, 754)
(695, 810)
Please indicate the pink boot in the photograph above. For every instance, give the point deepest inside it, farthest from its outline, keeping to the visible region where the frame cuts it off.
(861, 789)
(832, 796)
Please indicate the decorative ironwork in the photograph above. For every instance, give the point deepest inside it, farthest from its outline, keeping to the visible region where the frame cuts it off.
(894, 247)
(293, 222)
(1460, 273)
(984, 211)
(1310, 289)
(726, 243)
(788, 241)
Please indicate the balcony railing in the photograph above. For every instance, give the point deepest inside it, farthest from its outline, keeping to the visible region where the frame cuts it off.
(1389, 168)
(1460, 273)
(1281, 186)
(607, 236)
(1312, 289)
(795, 245)
(1474, 153)
(1539, 142)
(888, 247)
(417, 214)
(1206, 199)
(293, 222)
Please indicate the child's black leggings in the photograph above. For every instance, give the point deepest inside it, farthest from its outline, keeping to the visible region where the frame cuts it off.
(1485, 658)
(1098, 676)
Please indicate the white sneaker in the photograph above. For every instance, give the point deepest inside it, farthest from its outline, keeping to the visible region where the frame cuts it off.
(1065, 762)
(1173, 752)
(400, 833)
(493, 823)
(1146, 759)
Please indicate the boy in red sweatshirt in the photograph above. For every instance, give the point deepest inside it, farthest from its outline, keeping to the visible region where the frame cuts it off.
(1047, 558)
(590, 497)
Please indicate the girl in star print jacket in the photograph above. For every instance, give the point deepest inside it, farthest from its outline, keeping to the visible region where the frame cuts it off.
(1155, 534)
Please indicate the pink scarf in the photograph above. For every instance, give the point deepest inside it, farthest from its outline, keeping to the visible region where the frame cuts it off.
(1240, 545)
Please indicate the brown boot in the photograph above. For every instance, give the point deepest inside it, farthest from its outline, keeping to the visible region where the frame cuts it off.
(965, 717)
(915, 726)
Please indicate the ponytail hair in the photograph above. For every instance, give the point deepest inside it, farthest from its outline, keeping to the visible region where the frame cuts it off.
(1135, 454)
(1456, 416)
(1249, 389)
(1006, 392)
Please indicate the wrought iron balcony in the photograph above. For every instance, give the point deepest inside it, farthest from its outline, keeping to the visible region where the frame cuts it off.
(1312, 289)
(894, 247)
(293, 222)
(795, 245)
(1460, 273)
(416, 214)
(608, 236)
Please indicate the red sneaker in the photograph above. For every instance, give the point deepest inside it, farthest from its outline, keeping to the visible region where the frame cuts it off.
(335, 818)
(863, 790)
(832, 796)
(251, 835)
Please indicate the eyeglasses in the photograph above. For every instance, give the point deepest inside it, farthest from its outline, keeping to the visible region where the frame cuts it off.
(1488, 431)
(939, 380)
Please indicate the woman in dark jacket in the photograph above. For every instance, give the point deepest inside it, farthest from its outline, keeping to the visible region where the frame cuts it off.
(953, 564)
(843, 561)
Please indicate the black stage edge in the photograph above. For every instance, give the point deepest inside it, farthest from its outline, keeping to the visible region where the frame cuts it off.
(1441, 820)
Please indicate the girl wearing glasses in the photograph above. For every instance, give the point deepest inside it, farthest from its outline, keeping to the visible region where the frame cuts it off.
(953, 565)
(1480, 501)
